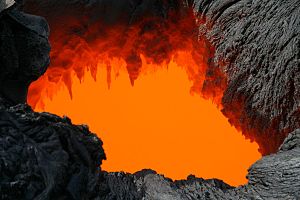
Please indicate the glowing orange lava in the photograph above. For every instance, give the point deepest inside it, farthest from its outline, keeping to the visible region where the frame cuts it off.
(157, 124)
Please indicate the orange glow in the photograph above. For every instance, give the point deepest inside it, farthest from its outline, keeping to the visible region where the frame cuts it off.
(161, 122)
(156, 124)
(148, 44)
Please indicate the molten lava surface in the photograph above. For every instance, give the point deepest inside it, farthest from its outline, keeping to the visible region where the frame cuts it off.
(157, 124)
(149, 118)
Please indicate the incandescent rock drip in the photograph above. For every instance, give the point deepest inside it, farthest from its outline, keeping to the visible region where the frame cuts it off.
(255, 69)
(92, 35)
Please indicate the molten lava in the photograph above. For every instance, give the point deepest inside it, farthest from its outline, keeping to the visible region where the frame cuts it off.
(151, 40)
(156, 123)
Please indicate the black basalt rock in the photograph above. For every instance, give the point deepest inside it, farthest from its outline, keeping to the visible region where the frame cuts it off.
(24, 52)
(44, 156)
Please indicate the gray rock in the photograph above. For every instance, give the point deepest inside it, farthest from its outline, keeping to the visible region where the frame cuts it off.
(257, 45)
(45, 157)
(276, 176)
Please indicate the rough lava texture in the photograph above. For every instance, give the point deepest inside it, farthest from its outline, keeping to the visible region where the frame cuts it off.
(44, 156)
(275, 176)
(258, 47)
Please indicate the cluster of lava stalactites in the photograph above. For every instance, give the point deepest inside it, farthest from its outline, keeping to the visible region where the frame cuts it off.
(144, 45)
(83, 44)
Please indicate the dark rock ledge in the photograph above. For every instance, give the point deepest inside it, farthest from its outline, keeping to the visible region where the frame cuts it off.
(45, 157)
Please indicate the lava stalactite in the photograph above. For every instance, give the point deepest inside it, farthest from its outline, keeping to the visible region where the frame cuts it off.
(137, 45)
(154, 41)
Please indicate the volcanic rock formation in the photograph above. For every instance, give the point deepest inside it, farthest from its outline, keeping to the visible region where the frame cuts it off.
(44, 156)
(24, 52)
(258, 47)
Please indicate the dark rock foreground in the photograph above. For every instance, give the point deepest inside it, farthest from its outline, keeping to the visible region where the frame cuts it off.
(45, 157)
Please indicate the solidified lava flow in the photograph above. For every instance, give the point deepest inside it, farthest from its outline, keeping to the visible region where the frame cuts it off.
(146, 120)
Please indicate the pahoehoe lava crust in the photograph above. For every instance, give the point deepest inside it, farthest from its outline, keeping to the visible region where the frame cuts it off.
(44, 156)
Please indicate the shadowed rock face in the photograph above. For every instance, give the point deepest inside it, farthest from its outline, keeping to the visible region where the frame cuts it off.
(24, 52)
(44, 156)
